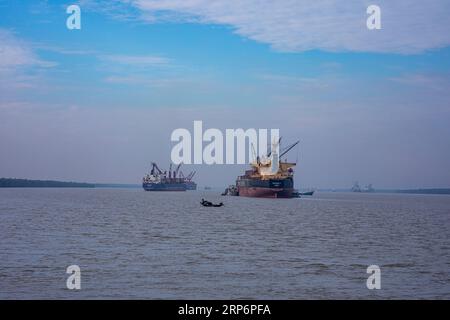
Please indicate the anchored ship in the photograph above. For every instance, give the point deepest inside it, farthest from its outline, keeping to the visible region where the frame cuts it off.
(269, 177)
(159, 180)
(357, 188)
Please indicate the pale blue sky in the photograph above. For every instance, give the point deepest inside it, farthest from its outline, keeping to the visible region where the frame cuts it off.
(98, 104)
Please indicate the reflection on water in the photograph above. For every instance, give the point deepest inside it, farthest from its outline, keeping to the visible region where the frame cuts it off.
(136, 244)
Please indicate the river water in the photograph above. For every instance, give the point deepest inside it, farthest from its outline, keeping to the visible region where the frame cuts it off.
(134, 244)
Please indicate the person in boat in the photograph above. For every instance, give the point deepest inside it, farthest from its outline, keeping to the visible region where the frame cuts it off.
(206, 203)
(210, 204)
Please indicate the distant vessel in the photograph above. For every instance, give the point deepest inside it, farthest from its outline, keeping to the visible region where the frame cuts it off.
(357, 188)
(269, 177)
(159, 180)
(231, 191)
(296, 194)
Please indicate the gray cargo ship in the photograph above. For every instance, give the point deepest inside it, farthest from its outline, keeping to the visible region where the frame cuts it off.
(159, 180)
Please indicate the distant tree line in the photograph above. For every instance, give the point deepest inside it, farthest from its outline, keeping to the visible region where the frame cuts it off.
(425, 191)
(24, 183)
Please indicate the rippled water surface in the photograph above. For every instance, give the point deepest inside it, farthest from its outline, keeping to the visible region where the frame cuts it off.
(136, 244)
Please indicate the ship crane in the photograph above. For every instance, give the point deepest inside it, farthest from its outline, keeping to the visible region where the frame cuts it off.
(289, 148)
(155, 167)
(255, 157)
(175, 173)
(190, 176)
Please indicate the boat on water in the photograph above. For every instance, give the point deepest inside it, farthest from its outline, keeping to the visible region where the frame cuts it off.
(296, 194)
(159, 180)
(231, 190)
(210, 204)
(307, 193)
(357, 188)
(269, 176)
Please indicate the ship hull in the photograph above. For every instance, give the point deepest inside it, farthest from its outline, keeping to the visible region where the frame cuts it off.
(256, 192)
(191, 186)
(265, 188)
(164, 186)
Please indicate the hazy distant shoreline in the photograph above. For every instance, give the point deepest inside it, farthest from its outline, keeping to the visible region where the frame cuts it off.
(406, 191)
(26, 183)
(424, 191)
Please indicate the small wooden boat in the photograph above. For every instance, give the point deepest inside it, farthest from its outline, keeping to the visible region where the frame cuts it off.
(210, 204)
(295, 194)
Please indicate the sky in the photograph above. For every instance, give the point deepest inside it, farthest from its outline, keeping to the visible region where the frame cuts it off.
(99, 104)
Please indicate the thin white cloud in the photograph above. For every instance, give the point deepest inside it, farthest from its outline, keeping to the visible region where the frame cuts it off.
(16, 53)
(118, 9)
(140, 61)
(17, 58)
(291, 25)
(63, 50)
(294, 82)
(440, 82)
(137, 80)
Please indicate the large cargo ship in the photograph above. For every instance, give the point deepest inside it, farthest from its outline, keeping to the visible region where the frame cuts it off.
(159, 180)
(269, 177)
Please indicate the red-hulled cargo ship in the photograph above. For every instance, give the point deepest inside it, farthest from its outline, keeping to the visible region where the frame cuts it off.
(269, 177)
(249, 186)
